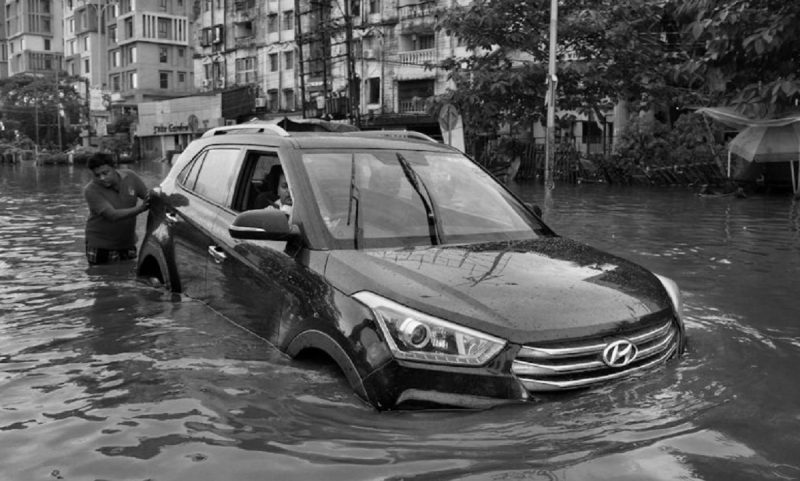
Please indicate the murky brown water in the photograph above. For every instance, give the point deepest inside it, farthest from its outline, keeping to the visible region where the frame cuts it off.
(103, 378)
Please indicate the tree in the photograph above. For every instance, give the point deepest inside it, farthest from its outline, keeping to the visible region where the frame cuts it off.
(747, 52)
(32, 104)
(608, 50)
(660, 55)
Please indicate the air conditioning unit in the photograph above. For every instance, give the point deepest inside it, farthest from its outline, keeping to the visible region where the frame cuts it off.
(261, 102)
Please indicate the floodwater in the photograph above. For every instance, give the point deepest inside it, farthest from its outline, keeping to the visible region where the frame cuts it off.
(106, 378)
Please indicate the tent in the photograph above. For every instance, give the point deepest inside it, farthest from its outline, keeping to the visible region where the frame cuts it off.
(762, 140)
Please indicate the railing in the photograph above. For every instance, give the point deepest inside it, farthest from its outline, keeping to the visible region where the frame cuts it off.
(424, 9)
(413, 106)
(417, 57)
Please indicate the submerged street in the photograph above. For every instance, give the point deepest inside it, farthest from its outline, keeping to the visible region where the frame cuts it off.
(105, 377)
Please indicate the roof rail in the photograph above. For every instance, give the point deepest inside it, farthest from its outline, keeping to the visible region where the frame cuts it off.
(400, 134)
(247, 128)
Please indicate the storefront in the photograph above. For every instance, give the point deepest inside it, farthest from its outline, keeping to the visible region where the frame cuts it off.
(166, 127)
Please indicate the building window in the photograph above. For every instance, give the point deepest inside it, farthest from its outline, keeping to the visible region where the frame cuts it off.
(245, 70)
(272, 23)
(374, 6)
(163, 28)
(133, 80)
(163, 80)
(131, 57)
(111, 33)
(47, 44)
(425, 42)
(288, 20)
(273, 62)
(86, 43)
(86, 65)
(374, 90)
(115, 83)
(272, 100)
(115, 58)
(162, 55)
(288, 60)
(181, 77)
(288, 99)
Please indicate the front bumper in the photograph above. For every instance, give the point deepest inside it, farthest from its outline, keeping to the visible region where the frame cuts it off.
(412, 383)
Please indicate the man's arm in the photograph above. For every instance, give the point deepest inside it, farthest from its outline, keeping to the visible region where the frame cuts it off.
(103, 208)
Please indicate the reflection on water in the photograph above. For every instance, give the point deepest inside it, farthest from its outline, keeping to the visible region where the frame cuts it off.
(106, 378)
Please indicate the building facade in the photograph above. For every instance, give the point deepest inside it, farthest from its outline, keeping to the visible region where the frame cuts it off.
(33, 32)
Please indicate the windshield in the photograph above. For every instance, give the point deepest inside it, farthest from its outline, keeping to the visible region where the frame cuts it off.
(395, 198)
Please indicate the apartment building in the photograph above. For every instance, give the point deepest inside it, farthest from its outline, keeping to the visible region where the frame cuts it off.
(360, 61)
(33, 32)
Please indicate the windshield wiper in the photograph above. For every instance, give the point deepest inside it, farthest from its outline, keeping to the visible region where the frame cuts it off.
(355, 199)
(416, 182)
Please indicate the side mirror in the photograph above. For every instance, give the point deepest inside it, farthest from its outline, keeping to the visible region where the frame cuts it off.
(263, 224)
(535, 208)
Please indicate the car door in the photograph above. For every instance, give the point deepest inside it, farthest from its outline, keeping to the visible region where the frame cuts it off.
(248, 279)
(205, 189)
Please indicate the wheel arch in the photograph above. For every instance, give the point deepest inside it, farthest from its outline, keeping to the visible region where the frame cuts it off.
(315, 339)
(153, 263)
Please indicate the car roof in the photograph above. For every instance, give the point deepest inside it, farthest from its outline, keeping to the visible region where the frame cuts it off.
(272, 135)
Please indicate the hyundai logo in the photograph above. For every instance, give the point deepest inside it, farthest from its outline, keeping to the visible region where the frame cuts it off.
(620, 353)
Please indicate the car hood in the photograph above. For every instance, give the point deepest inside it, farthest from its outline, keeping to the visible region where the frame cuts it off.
(536, 290)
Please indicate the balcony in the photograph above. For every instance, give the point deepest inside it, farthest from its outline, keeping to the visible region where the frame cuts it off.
(415, 105)
(420, 10)
(417, 57)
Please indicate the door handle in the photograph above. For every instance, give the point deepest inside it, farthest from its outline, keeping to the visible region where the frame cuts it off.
(217, 253)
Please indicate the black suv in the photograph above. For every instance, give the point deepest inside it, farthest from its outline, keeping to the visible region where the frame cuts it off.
(416, 271)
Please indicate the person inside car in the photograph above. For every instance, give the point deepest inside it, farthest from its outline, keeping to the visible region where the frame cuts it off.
(275, 192)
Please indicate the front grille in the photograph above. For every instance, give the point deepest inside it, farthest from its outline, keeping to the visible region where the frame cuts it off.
(577, 364)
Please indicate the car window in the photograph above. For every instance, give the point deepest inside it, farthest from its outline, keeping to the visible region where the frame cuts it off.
(252, 189)
(188, 175)
(386, 198)
(215, 174)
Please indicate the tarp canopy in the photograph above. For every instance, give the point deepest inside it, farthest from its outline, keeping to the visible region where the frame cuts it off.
(733, 119)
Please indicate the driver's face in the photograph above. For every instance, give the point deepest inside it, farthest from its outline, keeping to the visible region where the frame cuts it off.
(283, 191)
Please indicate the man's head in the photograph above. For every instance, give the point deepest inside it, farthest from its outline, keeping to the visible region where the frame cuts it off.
(102, 166)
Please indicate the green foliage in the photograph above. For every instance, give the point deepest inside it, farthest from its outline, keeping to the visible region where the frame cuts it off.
(607, 51)
(675, 53)
(32, 104)
(119, 145)
(644, 142)
(745, 52)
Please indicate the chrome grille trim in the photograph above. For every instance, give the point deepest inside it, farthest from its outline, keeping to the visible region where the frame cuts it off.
(543, 385)
(528, 351)
(580, 364)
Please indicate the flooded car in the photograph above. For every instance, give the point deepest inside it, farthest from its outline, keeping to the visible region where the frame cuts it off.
(419, 274)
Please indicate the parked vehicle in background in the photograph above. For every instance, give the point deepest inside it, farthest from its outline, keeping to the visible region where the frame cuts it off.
(420, 275)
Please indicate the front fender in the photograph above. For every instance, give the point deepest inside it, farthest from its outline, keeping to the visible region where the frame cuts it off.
(350, 337)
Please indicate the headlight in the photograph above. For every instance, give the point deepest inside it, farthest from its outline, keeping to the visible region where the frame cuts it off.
(674, 294)
(415, 336)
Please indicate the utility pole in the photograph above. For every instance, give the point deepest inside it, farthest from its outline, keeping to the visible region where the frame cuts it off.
(298, 35)
(552, 81)
(58, 111)
(352, 101)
